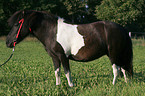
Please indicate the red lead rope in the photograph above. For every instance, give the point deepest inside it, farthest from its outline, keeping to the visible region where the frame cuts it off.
(21, 21)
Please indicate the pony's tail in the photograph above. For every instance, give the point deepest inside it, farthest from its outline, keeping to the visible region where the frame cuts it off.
(128, 57)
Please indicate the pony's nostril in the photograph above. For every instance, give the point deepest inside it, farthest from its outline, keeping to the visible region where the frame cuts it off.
(7, 43)
(10, 45)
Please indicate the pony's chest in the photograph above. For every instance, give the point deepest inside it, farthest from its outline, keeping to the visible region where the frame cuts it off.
(69, 38)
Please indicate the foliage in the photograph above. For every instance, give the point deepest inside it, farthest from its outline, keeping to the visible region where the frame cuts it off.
(10, 6)
(31, 72)
(76, 9)
(129, 13)
(124, 12)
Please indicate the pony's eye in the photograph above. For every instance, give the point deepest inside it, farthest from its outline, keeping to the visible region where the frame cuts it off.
(16, 24)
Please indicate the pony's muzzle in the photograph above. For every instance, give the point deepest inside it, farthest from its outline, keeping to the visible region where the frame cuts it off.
(10, 44)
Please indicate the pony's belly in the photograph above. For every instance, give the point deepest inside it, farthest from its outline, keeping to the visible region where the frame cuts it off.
(85, 54)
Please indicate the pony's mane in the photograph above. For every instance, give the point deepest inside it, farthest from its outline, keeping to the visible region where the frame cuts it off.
(21, 14)
(14, 18)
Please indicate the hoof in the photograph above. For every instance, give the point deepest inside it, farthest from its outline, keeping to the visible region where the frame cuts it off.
(71, 85)
(58, 83)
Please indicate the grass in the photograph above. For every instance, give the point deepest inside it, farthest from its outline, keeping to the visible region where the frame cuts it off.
(30, 72)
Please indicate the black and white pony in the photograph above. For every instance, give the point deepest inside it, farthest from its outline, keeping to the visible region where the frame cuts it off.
(84, 42)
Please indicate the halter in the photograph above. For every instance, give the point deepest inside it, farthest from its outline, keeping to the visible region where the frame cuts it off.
(21, 21)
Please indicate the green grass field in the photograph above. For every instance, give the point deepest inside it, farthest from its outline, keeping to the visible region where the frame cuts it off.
(30, 72)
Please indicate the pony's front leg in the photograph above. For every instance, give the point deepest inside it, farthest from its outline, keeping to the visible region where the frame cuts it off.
(65, 64)
(69, 79)
(56, 62)
(57, 75)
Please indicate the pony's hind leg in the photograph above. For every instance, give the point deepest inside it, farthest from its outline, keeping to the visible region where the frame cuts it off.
(124, 73)
(115, 72)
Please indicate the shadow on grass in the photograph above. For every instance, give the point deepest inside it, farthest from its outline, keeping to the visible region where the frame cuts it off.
(94, 76)
(140, 76)
(90, 79)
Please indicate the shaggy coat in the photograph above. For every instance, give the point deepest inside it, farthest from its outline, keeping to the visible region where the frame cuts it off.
(84, 42)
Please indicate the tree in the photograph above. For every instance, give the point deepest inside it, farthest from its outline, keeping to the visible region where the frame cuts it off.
(129, 13)
(125, 12)
(76, 10)
(8, 7)
(91, 5)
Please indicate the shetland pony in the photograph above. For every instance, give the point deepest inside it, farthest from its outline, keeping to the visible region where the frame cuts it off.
(83, 42)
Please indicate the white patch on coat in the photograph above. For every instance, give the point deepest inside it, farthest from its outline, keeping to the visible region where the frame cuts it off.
(69, 37)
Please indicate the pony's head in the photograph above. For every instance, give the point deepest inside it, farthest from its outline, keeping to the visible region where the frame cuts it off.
(20, 24)
(22, 21)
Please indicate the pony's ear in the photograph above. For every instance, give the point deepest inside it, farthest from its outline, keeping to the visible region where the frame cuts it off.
(23, 12)
(14, 18)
